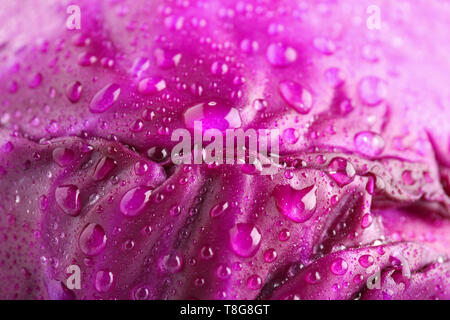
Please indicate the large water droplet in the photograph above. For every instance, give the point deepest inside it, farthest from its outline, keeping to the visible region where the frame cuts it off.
(134, 201)
(92, 239)
(297, 205)
(369, 143)
(68, 199)
(280, 55)
(213, 115)
(245, 239)
(342, 171)
(296, 96)
(105, 98)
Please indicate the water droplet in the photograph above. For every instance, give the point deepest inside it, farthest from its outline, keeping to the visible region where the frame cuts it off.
(8, 147)
(105, 98)
(284, 235)
(369, 143)
(245, 239)
(339, 266)
(372, 90)
(141, 168)
(290, 135)
(342, 171)
(104, 280)
(223, 271)
(35, 81)
(259, 104)
(171, 263)
(325, 46)
(366, 260)
(218, 209)
(270, 255)
(86, 59)
(166, 59)
(68, 199)
(134, 201)
(408, 178)
(296, 96)
(206, 253)
(213, 115)
(157, 154)
(151, 85)
(43, 202)
(297, 205)
(63, 156)
(280, 55)
(73, 91)
(335, 77)
(103, 167)
(254, 282)
(366, 220)
(140, 65)
(219, 68)
(312, 277)
(92, 239)
(249, 46)
(141, 293)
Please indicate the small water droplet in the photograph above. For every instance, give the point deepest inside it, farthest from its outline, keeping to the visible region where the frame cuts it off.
(104, 280)
(73, 91)
(171, 263)
(151, 85)
(408, 178)
(280, 55)
(254, 282)
(219, 68)
(218, 209)
(366, 260)
(270, 255)
(369, 143)
(223, 271)
(339, 266)
(35, 80)
(372, 90)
